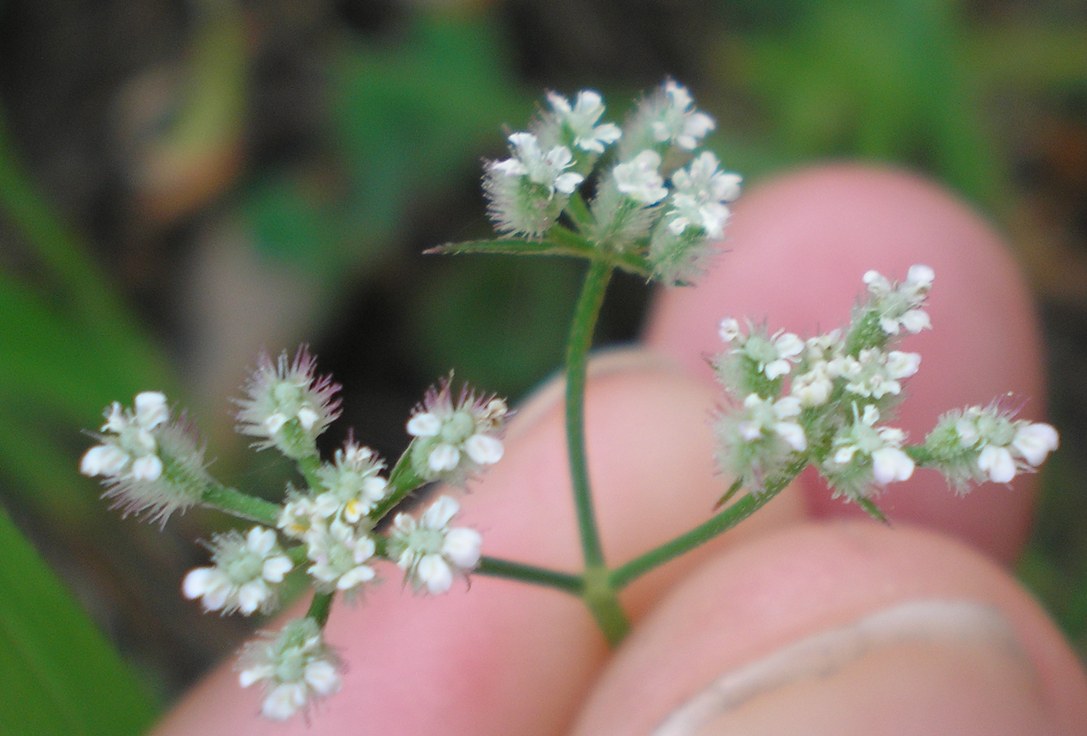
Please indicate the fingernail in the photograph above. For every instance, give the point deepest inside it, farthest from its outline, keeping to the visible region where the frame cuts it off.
(937, 666)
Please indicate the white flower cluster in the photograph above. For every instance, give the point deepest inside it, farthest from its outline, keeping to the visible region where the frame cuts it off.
(243, 573)
(430, 552)
(287, 406)
(296, 668)
(821, 401)
(149, 465)
(978, 444)
(645, 202)
(456, 439)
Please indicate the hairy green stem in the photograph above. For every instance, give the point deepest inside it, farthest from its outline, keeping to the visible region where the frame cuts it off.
(320, 607)
(599, 595)
(242, 505)
(704, 532)
(402, 480)
(499, 568)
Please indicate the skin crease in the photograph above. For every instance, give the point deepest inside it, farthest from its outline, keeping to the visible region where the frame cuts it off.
(509, 658)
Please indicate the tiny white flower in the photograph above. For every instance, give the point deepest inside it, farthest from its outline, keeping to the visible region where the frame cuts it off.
(640, 179)
(547, 169)
(287, 406)
(340, 554)
(1034, 441)
(352, 483)
(678, 121)
(865, 453)
(296, 666)
(430, 552)
(456, 438)
(243, 574)
(900, 305)
(132, 458)
(700, 197)
(581, 120)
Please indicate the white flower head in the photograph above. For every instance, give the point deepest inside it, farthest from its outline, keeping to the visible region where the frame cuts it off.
(990, 443)
(526, 192)
(352, 483)
(754, 359)
(875, 373)
(580, 121)
(700, 196)
(340, 554)
(244, 573)
(640, 179)
(151, 466)
(899, 306)
(287, 406)
(296, 668)
(455, 439)
(677, 121)
(129, 448)
(759, 438)
(866, 456)
(432, 553)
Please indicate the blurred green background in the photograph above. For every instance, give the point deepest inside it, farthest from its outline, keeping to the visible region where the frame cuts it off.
(185, 183)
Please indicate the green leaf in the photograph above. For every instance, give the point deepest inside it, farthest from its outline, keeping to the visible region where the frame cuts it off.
(59, 674)
(872, 510)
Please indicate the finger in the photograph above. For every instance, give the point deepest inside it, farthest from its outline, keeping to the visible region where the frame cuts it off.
(797, 248)
(843, 628)
(508, 653)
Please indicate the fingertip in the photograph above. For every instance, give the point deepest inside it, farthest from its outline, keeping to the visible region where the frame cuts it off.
(843, 628)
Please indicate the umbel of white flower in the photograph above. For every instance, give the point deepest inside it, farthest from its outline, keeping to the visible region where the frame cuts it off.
(341, 554)
(646, 202)
(244, 573)
(986, 443)
(456, 438)
(430, 552)
(820, 401)
(149, 465)
(295, 666)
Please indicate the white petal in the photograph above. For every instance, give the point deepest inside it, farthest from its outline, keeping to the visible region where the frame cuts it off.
(484, 449)
(920, 275)
(355, 576)
(424, 425)
(307, 417)
(462, 547)
(793, 434)
(776, 368)
(275, 568)
(891, 464)
(1035, 441)
(196, 582)
(323, 677)
(998, 463)
(250, 675)
(435, 573)
(151, 410)
(284, 701)
(106, 460)
(252, 595)
(916, 320)
(260, 540)
(439, 513)
(443, 457)
(148, 467)
(567, 183)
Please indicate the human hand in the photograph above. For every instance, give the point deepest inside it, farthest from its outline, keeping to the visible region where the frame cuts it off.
(798, 621)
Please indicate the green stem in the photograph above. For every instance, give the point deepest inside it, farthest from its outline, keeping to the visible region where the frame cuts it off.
(704, 532)
(242, 505)
(599, 594)
(499, 568)
(577, 361)
(320, 607)
(402, 480)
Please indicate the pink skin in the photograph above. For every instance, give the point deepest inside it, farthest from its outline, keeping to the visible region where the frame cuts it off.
(506, 658)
